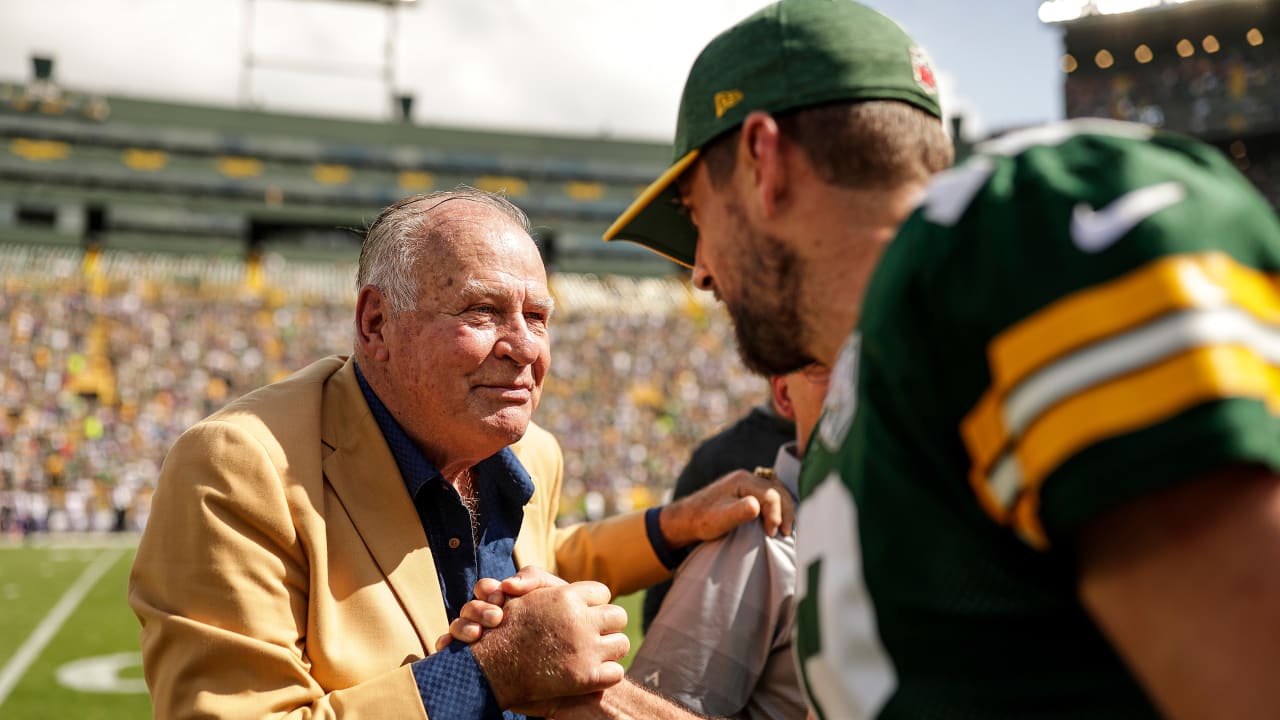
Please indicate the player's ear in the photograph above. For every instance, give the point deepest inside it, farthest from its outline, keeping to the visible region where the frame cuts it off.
(372, 313)
(781, 392)
(761, 152)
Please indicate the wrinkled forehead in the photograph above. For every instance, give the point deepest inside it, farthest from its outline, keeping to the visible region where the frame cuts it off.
(479, 243)
(461, 218)
(471, 232)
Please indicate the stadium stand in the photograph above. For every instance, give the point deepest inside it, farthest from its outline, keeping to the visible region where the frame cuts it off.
(1208, 68)
(126, 173)
(107, 355)
(159, 260)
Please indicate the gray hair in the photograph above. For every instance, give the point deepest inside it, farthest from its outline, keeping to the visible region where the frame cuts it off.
(395, 242)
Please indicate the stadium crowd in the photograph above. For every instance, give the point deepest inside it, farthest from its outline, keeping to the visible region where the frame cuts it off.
(1259, 160)
(1233, 95)
(1233, 90)
(105, 360)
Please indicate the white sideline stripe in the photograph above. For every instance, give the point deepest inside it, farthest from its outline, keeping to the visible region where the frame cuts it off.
(54, 621)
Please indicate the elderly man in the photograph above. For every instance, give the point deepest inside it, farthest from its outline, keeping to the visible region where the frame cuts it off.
(310, 541)
(1050, 454)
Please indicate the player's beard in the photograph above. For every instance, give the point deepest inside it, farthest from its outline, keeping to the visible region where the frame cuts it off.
(766, 316)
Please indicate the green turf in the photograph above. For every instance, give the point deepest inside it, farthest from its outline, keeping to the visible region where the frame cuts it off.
(32, 581)
(631, 603)
(102, 624)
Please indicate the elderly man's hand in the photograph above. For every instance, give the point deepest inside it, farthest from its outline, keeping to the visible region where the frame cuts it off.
(724, 505)
(625, 700)
(553, 642)
(485, 612)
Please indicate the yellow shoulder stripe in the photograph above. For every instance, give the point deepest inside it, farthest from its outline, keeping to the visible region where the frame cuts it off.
(1134, 402)
(1172, 283)
(1113, 359)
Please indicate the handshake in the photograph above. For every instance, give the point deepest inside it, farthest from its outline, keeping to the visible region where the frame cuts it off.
(548, 648)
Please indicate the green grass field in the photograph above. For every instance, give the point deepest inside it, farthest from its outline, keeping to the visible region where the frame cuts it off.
(64, 604)
(60, 605)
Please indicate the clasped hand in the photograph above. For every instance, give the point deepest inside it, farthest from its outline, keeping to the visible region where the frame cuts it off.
(538, 639)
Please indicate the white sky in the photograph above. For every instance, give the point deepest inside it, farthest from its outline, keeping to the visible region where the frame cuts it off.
(597, 67)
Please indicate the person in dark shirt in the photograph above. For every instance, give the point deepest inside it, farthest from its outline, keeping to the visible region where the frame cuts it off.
(750, 442)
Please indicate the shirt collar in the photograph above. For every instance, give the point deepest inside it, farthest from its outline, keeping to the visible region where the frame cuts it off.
(416, 470)
(505, 464)
(786, 467)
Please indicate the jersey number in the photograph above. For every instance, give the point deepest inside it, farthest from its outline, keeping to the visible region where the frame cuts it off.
(847, 672)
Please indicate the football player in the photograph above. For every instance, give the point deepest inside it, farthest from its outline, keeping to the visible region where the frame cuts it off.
(1047, 480)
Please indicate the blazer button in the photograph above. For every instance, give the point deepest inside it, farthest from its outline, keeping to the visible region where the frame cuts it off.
(454, 543)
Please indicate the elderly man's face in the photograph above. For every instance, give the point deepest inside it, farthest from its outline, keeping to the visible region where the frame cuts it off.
(756, 276)
(469, 361)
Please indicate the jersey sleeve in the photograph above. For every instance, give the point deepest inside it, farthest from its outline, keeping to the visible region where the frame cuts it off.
(1110, 322)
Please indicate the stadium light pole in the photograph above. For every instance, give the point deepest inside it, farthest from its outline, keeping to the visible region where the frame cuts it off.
(249, 10)
(246, 50)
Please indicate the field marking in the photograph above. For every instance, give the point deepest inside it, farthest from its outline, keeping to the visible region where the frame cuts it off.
(71, 541)
(101, 674)
(54, 621)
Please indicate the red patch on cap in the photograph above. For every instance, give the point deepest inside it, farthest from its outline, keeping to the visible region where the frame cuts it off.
(923, 71)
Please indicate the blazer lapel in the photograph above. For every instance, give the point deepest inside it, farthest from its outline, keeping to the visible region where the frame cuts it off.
(365, 478)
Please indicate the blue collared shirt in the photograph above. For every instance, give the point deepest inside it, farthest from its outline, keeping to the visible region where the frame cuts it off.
(450, 682)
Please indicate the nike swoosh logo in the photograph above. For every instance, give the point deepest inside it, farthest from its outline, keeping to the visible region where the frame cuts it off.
(1096, 230)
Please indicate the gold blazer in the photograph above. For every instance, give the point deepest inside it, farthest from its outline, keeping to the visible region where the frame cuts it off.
(284, 571)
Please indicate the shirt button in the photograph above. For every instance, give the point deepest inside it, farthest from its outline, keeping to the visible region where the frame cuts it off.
(454, 543)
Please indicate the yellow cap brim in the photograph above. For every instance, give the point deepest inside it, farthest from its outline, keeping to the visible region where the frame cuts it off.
(655, 220)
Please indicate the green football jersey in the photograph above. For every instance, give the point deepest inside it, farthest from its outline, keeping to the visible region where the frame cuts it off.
(1079, 315)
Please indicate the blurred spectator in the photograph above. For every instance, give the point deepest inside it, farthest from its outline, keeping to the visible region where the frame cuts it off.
(1232, 95)
(721, 644)
(1236, 89)
(751, 442)
(1259, 159)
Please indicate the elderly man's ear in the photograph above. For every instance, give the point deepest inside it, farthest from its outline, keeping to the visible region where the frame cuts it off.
(371, 316)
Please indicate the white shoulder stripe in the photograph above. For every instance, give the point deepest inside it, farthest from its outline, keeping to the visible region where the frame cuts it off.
(1108, 360)
(1137, 349)
(1006, 480)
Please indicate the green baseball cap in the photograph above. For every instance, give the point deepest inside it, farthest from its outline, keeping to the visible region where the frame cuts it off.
(788, 55)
